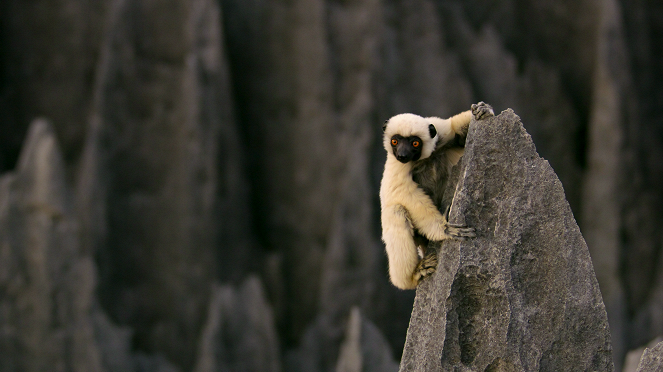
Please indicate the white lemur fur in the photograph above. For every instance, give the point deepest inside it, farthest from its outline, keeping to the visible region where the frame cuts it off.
(411, 186)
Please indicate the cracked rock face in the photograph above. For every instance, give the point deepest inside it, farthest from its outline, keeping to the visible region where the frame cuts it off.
(523, 295)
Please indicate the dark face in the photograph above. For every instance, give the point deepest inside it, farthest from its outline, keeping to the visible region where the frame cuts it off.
(406, 148)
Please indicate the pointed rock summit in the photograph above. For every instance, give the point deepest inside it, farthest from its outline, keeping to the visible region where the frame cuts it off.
(522, 295)
(652, 359)
(47, 282)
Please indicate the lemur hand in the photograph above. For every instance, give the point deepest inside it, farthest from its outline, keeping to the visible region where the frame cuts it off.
(461, 232)
(456, 231)
(482, 110)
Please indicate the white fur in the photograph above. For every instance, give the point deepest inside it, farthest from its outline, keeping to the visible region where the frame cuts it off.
(404, 204)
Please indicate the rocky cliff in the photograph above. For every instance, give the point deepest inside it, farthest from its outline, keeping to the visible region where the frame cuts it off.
(652, 359)
(522, 295)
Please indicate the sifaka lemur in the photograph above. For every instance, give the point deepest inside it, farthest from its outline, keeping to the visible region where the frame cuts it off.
(420, 155)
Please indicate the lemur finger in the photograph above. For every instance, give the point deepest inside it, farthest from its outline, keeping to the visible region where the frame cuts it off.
(464, 234)
(458, 226)
(481, 107)
(461, 231)
(482, 114)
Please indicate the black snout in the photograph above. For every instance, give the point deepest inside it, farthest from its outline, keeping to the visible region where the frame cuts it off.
(403, 158)
(406, 153)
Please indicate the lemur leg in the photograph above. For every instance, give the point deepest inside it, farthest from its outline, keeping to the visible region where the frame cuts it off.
(398, 236)
(482, 110)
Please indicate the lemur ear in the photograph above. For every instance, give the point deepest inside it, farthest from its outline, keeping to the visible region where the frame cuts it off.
(384, 127)
(432, 130)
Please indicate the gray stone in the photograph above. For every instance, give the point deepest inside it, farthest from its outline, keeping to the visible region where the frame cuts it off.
(239, 334)
(652, 359)
(114, 343)
(49, 317)
(360, 347)
(303, 75)
(153, 179)
(143, 101)
(47, 281)
(521, 296)
(352, 278)
(601, 197)
(534, 88)
(641, 176)
(364, 348)
(350, 358)
(632, 359)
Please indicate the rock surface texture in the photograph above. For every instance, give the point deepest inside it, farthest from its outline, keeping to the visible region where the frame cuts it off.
(652, 359)
(523, 295)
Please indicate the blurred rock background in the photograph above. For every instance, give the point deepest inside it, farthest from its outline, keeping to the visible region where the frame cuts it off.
(192, 185)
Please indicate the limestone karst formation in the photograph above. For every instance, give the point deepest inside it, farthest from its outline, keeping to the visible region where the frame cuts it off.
(522, 295)
(215, 153)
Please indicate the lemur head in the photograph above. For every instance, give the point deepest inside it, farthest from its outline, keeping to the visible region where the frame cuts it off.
(409, 137)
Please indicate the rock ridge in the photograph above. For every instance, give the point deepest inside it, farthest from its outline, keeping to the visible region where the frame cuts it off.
(523, 295)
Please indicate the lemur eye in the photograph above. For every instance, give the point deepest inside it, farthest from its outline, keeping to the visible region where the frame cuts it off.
(394, 142)
(416, 143)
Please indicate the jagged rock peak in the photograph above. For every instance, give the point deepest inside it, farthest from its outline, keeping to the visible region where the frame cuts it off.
(364, 347)
(652, 359)
(239, 334)
(522, 295)
(48, 284)
(41, 169)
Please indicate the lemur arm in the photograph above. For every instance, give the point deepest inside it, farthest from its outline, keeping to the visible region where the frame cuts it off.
(455, 126)
(420, 208)
(424, 214)
(458, 125)
(461, 122)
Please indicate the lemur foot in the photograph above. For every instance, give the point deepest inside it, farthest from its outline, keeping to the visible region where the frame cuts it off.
(426, 267)
(482, 110)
